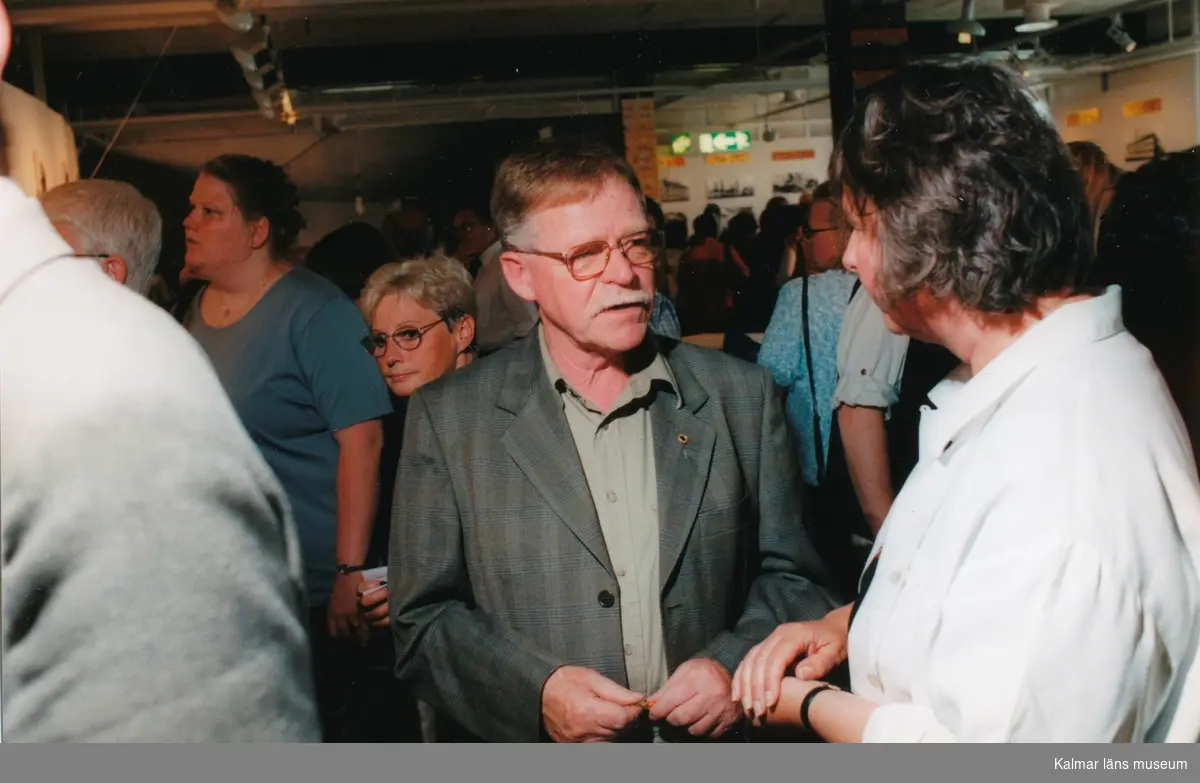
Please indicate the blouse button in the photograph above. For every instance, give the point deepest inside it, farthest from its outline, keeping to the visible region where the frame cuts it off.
(894, 577)
(873, 680)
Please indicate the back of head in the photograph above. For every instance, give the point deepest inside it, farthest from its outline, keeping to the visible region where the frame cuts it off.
(409, 231)
(347, 256)
(551, 173)
(705, 226)
(1089, 157)
(973, 191)
(262, 189)
(1150, 245)
(110, 218)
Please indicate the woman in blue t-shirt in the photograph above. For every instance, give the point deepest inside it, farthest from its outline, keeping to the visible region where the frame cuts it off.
(285, 343)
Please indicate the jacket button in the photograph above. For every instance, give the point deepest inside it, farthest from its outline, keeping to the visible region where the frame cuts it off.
(606, 599)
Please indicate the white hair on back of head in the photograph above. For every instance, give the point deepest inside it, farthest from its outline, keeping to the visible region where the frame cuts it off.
(111, 218)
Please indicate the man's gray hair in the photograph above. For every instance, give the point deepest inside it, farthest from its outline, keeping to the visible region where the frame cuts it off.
(438, 283)
(111, 218)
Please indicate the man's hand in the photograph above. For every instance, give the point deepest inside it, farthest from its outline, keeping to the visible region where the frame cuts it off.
(373, 603)
(823, 643)
(697, 697)
(582, 705)
(341, 616)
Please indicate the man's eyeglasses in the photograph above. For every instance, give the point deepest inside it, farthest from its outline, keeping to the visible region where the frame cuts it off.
(588, 261)
(407, 339)
(810, 232)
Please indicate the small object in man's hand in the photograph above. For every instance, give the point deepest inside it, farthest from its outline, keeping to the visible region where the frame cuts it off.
(646, 704)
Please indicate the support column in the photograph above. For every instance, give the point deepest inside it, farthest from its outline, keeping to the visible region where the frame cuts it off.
(865, 41)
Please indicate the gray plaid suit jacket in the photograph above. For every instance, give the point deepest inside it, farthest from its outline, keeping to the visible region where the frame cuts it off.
(498, 560)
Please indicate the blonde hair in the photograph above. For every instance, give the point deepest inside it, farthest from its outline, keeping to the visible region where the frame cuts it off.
(552, 173)
(439, 283)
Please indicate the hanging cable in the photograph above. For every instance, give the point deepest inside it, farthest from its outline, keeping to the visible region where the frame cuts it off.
(112, 142)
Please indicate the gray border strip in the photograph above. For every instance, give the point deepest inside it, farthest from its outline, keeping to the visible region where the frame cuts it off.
(604, 764)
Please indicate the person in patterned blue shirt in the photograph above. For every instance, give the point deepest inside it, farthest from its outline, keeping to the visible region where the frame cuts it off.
(810, 380)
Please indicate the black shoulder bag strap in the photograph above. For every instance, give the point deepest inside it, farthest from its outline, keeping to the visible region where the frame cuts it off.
(812, 387)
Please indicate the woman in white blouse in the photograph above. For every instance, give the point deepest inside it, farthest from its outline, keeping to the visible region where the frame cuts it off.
(1036, 578)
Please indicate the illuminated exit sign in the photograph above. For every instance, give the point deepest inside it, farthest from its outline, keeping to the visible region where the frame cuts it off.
(725, 141)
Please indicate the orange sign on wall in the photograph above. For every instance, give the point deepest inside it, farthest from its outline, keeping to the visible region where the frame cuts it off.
(641, 142)
(1083, 117)
(1138, 108)
(725, 158)
(672, 162)
(794, 155)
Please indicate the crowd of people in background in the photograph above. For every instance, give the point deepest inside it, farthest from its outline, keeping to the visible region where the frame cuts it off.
(479, 485)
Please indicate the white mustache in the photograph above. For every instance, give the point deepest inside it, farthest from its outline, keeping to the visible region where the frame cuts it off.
(632, 298)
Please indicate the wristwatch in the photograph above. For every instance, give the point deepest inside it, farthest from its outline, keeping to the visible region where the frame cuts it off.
(807, 703)
(346, 570)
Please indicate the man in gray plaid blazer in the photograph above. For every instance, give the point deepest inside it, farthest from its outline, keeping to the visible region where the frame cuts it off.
(592, 527)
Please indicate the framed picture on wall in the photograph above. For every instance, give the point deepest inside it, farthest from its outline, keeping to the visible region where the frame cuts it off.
(674, 191)
(793, 183)
(731, 187)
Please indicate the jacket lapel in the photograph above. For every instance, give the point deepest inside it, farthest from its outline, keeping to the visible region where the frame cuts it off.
(683, 452)
(539, 440)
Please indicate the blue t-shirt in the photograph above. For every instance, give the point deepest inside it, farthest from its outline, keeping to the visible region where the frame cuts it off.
(296, 373)
(783, 354)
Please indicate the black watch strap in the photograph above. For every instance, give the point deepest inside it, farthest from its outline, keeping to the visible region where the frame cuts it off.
(807, 704)
(345, 570)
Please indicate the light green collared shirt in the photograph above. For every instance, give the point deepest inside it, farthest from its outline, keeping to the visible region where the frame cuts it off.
(617, 452)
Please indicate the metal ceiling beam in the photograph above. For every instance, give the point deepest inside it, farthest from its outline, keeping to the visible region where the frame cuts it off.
(199, 13)
(345, 111)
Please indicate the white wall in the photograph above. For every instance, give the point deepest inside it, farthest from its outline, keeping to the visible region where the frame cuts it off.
(1175, 81)
(805, 128)
(326, 216)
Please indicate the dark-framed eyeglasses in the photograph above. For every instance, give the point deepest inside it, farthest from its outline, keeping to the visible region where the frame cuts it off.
(809, 232)
(588, 261)
(406, 339)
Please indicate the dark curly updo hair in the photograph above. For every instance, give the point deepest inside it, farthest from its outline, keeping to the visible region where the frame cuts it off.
(975, 194)
(262, 190)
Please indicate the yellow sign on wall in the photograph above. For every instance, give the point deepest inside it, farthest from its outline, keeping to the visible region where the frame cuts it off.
(1138, 108)
(1083, 117)
(725, 158)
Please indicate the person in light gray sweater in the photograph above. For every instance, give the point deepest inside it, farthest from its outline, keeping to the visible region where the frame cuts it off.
(150, 580)
(151, 584)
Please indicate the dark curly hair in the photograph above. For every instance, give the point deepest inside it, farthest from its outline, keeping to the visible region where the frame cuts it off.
(262, 190)
(975, 194)
(349, 255)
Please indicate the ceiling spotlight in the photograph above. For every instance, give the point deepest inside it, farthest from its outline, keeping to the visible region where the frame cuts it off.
(967, 28)
(1037, 18)
(1120, 35)
(236, 15)
(258, 57)
(261, 80)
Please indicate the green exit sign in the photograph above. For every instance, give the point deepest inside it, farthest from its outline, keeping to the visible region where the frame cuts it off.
(725, 141)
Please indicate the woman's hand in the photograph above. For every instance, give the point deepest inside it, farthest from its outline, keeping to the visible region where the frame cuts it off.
(822, 643)
(373, 603)
(342, 615)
